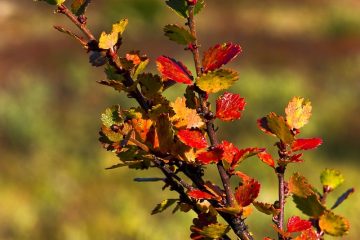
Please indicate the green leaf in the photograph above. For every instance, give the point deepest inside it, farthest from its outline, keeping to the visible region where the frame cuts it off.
(134, 157)
(118, 86)
(278, 126)
(78, 7)
(215, 230)
(299, 186)
(216, 81)
(181, 8)
(111, 74)
(266, 208)
(52, 2)
(310, 205)
(331, 178)
(334, 225)
(151, 85)
(163, 206)
(178, 34)
(111, 116)
(107, 41)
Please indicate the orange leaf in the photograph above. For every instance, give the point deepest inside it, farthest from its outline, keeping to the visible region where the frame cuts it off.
(185, 117)
(198, 194)
(229, 151)
(248, 192)
(306, 144)
(171, 69)
(266, 158)
(210, 156)
(193, 138)
(229, 106)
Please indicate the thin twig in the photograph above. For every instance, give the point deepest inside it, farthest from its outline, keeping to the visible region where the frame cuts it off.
(280, 171)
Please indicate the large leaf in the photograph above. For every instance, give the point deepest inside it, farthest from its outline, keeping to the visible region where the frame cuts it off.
(219, 55)
(178, 34)
(193, 138)
(216, 81)
(181, 7)
(107, 41)
(299, 186)
(306, 144)
(163, 206)
(298, 112)
(229, 106)
(334, 225)
(310, 205)
(78, 7)
(296, 224)
(331, 178)
(171, 69)
(185, 117)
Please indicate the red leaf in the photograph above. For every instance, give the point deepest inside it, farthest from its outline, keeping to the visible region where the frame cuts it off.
(248, 192)
(306, 144)
(219, 55)
(173, 70)
(214, 155)
(193, 138)
(229, 106)
(296, 224)
(296, 158)
(229, 151)
(267, 158)
(308, 234)
(245, 153)
(198, 194)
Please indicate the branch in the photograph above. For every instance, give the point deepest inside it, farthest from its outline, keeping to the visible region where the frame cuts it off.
(280, 171)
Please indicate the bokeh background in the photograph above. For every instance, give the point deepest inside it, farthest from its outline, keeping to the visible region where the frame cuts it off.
(52, 179)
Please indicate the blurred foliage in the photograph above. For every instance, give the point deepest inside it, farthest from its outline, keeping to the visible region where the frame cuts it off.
(52, 182)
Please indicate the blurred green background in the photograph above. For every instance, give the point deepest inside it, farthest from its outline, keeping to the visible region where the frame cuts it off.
(52, 179)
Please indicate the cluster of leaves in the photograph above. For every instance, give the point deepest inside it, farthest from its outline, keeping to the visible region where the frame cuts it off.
(179, 136)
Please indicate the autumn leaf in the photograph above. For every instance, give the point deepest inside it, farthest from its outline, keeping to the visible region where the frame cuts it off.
(219, 55)
(171, 69)
(245, 153)
(198, 194)
(163, 206)
(267, 208)
(78, 7)
(310, 205)
(229, 106)
(107, 41)
(299, 186)
(193, 138)
(181, 8)
(185, 117)
(151, 85)
(306, 144)
(266, 158)
(217, 80)
(296, 224)
(229, 151)
(308, 234)
(298, 112)
(276, 125)
(246, 193)
(178, 34)
(165, 130)
(210, 156)
(334, 225)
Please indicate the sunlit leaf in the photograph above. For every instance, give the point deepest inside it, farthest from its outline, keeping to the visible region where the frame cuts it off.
(217, 80)
(52, 2)
(229, 151)
(296, 224)
(247, 192)
(181, 8)
(229, 106)
(245, 153)
(219, 55)
(334, 225)
(299, 186)
(198, 194)
(310, 205)
(178, 34)
(193, 138)
(276, 125)
(163, 206)
(266, 158)
(107, 41)
(306, 144)
(171, 69)
(331, 178)
(111, 116)
(185, 117)
(298, 112)
(78, 7)
(308, 234)
(210, 156)
(343, 197)
(266, 208)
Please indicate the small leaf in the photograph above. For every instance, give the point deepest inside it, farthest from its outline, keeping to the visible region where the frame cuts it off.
(171, 69)
(266, 158)
(198, 194)
(210, 156)
(299, 186)
(277, 125)
(308, 234)
(107, 41)
(52, 2)
(266, 208)
(111, 116)
(215, 230)
(247, 192)
(185, 117)
(216, 81)
(163, 206)
(343, 197)
(181, 8)
(296, 224)
(229, 106)
(310, 205)
(78, 7)
(178, 34)
(334, 225)
(219, 55)
(245, 153)
(306, 144)
(298, 112)
(331, 178)
(193, 138)
(229, 151)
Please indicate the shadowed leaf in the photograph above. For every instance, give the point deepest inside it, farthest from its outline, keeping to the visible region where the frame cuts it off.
(178, 34)
(181, 8)
(310, 205)
(299, 186)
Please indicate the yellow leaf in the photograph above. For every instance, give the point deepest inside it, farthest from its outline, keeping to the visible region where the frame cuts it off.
(185, 117)
(334, 225)
(107, 41)
(298, 112)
